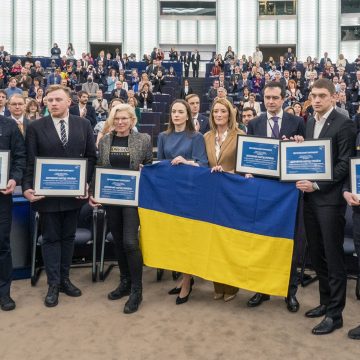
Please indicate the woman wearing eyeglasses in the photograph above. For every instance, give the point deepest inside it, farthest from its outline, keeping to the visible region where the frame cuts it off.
(124, 148)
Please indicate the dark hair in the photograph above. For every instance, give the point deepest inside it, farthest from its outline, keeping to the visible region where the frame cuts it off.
(275, 84)
(249, 109)
(2, 91)
(81, 93)
(325, 84)
(189, 123)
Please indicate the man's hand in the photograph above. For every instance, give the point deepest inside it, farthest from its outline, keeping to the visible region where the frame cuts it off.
(297, 138)
(351, 198)
(10, 187)
(248, 176)
(93, 203)
(305, 186)
(86, 193)
(30, 195)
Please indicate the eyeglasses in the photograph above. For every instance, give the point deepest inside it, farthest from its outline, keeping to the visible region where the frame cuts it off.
(121, 119)
(16, 104)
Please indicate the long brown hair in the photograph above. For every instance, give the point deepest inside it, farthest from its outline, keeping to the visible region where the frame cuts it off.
(189, 126)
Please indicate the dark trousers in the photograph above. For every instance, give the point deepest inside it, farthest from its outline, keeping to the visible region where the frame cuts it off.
(356, 236)
(324, 226)
(124, 226)
(5, 251)
(58, 232)
(187, 68)
(196, 71)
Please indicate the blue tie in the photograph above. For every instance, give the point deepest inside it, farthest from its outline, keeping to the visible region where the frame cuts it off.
(275, 130)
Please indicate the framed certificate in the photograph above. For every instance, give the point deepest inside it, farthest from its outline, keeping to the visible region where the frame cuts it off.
(355, 176)
(4, 168)
(309, 160)
(116, 187)
(257, 156)
(60, 177)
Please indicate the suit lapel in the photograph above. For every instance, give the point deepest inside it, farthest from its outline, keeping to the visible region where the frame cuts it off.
(51, 133)
(284, 125)
(263, 126)
(212, 148)
(327, 124)
(310, 128)
(226, 143)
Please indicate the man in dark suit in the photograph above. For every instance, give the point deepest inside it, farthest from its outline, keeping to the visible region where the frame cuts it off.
(4, 111)
(324, 60)
(195, 63)
(61, 136)
(83, 109)
(276, 123)
(324, 208)
(201, 122)
(17, 112)
(356, 87)
(119, 92)
(10, 139)
(186, 59)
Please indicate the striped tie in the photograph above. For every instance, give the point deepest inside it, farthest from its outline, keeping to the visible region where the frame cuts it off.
(63, 133)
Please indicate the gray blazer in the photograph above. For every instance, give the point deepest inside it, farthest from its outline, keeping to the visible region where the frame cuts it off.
(140, 150)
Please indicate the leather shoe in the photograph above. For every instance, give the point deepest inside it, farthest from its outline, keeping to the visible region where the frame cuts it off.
(357, 289)
(69, 288)
(134, 301)
(52, 296)
(327, 326)
(354, 333)
(316, 312)
(292, 303)
(177, 290)
(183, 300)
(7, 303)
(122, 290)
(258, 299)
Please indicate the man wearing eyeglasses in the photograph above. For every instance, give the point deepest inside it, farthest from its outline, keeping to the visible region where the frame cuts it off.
(276, 123)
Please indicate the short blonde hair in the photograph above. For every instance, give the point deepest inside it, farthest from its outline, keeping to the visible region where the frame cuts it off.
(109, 124)
(232, 115)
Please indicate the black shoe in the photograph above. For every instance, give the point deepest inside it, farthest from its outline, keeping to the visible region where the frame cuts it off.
(122, 290)
(316, 312)
(354, 333)
(183, 300)
(258, 299)
(159, 274)
(52, 296)
(177, 290)
(327, 326)
(292, 303)
(357, 289)
(7, 303)
(69, 288)
(134, 301)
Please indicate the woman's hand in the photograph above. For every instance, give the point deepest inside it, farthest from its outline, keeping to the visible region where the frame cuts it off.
(93, 203)
(178, 160)
(248, 176)
(217, 168)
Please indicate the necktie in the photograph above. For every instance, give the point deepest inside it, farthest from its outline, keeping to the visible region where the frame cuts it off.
(63, 133)
(21, 127)
(275, 130)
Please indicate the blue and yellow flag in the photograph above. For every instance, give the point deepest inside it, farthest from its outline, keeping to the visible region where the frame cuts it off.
(221, 227)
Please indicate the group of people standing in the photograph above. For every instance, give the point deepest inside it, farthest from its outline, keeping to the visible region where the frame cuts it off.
(64, 135)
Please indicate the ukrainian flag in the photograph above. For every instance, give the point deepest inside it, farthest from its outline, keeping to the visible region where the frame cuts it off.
(218, 226)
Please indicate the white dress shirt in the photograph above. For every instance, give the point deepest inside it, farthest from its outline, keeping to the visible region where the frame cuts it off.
(270, 122)
(57, 126)
(320, 122)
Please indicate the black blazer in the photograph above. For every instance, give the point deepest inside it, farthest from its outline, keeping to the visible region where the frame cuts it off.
(123, 94)
(90, 113)
(290, 125)
(42, 139)
(11, 139)
(343, 134)
(204, 124)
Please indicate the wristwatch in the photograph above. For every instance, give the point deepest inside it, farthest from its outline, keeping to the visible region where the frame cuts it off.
(315, 186)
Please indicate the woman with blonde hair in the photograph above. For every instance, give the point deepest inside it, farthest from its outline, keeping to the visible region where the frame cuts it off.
(123, 148)
(220, 144)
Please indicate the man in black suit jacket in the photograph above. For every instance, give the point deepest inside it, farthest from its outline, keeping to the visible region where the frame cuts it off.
(60, 136)
(324, 60)
(83, 109)
(10, 139)
(195, 63)
(276, 123)
(17, 111)
(201, 122)
(324, 208)
(186, 59)
(119, 92)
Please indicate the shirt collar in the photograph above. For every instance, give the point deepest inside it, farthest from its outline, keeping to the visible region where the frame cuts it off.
(20, 120)
(57, 120)
(279, 115)
(325, 116)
